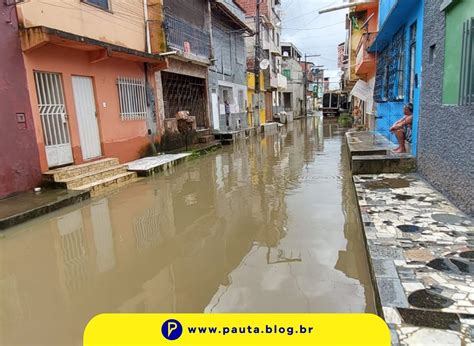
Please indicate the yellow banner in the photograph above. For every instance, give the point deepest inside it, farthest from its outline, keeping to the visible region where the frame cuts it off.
(236, 329)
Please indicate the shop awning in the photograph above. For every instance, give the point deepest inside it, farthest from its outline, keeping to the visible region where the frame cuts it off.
(36, 37)
(392, 24)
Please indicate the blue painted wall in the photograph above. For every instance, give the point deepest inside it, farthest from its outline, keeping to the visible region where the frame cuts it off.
(385, 6)
(389, 112)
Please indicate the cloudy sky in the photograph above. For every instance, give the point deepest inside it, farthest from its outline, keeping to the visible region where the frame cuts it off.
(315, 33)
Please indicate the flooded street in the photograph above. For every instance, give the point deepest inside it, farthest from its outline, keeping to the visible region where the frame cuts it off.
(266, 225)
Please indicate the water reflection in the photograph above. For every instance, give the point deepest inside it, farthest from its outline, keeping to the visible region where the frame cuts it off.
(267, 225)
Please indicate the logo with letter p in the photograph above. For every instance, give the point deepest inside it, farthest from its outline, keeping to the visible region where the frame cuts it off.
(171, 329)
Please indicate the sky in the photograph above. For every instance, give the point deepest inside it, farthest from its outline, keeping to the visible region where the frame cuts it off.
(314, 33)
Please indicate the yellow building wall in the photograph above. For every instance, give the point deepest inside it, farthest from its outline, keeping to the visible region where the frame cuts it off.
(123, 25)
(251, 92)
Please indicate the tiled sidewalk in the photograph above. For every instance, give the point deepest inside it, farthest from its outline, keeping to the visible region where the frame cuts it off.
(421, 252)
(153, 164)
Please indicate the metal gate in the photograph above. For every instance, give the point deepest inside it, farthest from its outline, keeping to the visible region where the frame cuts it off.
(49, 90)
(185, 93)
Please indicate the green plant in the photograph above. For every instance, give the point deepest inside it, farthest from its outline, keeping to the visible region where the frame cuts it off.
(345, 120)
(201, 152)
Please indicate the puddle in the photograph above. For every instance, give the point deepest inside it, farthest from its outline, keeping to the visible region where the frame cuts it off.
(387, 183)
(425, 299)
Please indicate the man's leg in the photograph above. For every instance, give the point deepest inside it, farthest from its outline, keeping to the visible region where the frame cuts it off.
(401, 141)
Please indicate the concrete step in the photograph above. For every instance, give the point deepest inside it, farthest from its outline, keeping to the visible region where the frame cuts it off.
(206, 139)
(69, 172)
(91, 177)
(377, 164)
(203, 132)
(102, 186)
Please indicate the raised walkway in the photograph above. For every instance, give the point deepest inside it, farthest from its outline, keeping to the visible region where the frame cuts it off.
(420, 247)
(420, 250)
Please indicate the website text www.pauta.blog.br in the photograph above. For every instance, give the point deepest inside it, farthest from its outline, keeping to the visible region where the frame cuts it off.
(267, 329)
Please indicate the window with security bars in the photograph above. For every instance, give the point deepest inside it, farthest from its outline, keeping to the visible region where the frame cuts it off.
(132, 96)
(389, 81)
(466, 78)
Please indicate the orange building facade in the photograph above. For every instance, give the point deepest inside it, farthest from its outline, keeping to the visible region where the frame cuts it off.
(90, 75)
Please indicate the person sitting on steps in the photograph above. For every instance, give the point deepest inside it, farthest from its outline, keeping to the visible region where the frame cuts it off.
(402, 129)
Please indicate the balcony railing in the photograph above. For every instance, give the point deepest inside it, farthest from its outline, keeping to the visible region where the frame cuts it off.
(183, 36)
(362, 54)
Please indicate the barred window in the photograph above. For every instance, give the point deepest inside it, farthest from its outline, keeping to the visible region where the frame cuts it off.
(466, 78)
(389, 81)
(132, 96)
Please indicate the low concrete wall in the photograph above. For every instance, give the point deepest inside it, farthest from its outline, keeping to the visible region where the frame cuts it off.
(374, 164)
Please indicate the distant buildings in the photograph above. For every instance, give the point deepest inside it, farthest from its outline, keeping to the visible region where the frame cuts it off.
(356, 62)
(274, 82)
(295, 95)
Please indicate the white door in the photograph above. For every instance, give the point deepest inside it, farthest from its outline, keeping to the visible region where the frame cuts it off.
(49, 89)
(215, 110)
(86, 117)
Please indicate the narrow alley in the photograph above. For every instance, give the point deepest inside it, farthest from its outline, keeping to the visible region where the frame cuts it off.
(269, 224)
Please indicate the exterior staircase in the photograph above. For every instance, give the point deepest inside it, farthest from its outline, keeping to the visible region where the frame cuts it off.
(98, 177)
(205, 136)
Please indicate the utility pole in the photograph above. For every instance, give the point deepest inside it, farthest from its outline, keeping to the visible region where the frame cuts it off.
(256, 119)
(305, 91)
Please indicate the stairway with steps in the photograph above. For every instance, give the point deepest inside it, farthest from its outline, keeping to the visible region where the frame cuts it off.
(98, 177)
(205, 136)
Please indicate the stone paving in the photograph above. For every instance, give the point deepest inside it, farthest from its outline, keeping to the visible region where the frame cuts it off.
(421, 251)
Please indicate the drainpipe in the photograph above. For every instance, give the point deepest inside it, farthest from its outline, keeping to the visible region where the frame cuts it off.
(148, 90)
(209, 122)
(147, 27)
(209, 26)
(149, 120)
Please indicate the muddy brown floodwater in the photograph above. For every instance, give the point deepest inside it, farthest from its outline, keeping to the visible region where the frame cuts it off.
(266, 225)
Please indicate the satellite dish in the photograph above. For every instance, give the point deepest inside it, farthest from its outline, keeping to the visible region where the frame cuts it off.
(264, 64)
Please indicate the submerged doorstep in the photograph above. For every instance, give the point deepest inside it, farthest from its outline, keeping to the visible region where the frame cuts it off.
(420, 250)
(154, 164)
